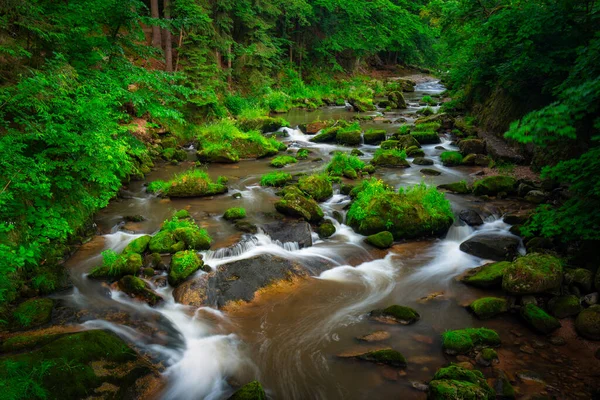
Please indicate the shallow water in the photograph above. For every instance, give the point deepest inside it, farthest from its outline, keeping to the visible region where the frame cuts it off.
(291, 339)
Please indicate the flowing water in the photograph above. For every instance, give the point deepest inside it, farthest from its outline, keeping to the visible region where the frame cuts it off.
(290, 339)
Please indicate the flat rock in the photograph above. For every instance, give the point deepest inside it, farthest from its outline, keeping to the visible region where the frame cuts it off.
(375, 336)
(492, 246)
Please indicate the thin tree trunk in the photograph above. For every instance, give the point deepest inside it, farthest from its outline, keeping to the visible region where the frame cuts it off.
(179, 49)
(168, 39)
(229, 65)
(156, 39)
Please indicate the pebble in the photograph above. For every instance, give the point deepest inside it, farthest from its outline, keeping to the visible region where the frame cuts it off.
(516, 333)
(375, 336)
(420, 386)
(557, 341)
(423, 339)
(591, 299)
(539, 345)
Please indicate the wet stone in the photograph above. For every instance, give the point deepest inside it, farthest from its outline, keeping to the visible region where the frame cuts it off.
(375, 336)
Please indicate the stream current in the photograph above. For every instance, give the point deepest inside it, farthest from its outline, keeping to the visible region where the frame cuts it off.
(290, 338)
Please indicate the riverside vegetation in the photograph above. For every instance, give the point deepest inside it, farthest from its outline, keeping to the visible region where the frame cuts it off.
(98, 96)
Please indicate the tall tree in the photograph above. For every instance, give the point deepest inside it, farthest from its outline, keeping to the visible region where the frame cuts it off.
(155, 13)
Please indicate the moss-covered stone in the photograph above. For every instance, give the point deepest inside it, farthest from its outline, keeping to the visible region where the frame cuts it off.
(126, 264)
(486, 276)
(33, 312)
(245, 226)
(533, 273)
(456, 187)
(395, 314)
(369, 169)
(183, 265)
(250, 391)
(319, 187)
(451, 158)
(587, 323)
(390, 158)
(282, 161)
(137, 288)
(192, 183)
(414, 151)
(581, 278)
(74, 366)
(493, 185)
(381, 240)
(175, 155)
(264, 124)
(455, 382)
(326, 230)
(295, 204)
(489, 354)
(564, 306)
(538, 319)
(426, 136)
(462, 341)
(374, 136)
(489, 307)
(326, 135)
(218, 155)
(389, 357)
(138, 245)
(182, 214)
(177, 235)
(348, 137)
(234, 213)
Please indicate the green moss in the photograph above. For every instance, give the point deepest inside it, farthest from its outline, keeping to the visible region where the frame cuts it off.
(156, 187)
(282, 161)
(234, 214)
(489, 354)
(538, 319)
(275, 179)
(263, 124)
(374, 136)
(138, 245)
(456, 187)
(172, 154)
(136, 287)
(168, 142)
(488, 307)
(456, 373)
(118, 266)
(326, 230)
(389, 357)
(250, 391)
(343, 165)
(426, 133)
(564, 306)
(302, 154)
(295, 204)
(181, 214)
(451, 158)
(33, 312)
(183, 264)
(464, 340)
(493, 185)
(177, 234)
(396, 313)
(381, 240)
(487, 276)
(349, 136)
(581, 278)
(317, 186)
(413, 212)
(26, 342)
(390, 158)
(451, 390)
(192, 183)
(587, 323)
(533, 273)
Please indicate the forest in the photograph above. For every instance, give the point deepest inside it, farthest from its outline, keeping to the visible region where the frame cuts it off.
(100, 98)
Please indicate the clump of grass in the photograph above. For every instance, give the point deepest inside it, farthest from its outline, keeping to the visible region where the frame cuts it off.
(275, 179)
(302, 154)
(282, 161)
(342, 164)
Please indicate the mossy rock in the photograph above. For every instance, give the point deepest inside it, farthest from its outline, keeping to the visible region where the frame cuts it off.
(533, 273)
(27, 341)
(350, 173)
(451, 158)
(282, 161)
(426, 137)
(182, 214)
(319, 187)
(390, 145)
(250, 391)
(381, 240)
(456, 187)
(390, 158)
(369, 169)
(126, 264)
(538, 319)
(564, 306)
(326, 135)
(195, 187)
(187, 236)
(168, 142)
(74, 366)
(136, 287)
(138, 245)
(234, 213)
(581, 278)
(486, 276)
(176, 155)
(422, 161)
(33, 312)
(493, 185)
(414, 151)
(455, 382)
(489, 354)
(348, 137)
(302, 154)
(489, 307)
(462, 341)
(218, 155)
(389, 357)
(357, 153)
(183, 265)
(395, 315)
(295, 204)
(326, 230)
(245, 226)
(587, 323)
(374, 136)
(263, 124)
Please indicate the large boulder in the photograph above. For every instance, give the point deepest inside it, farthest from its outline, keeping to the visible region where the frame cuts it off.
(533, 273)
(492, 246)
(471, 146)
(587, 323)
(286, 232)
(194, 291)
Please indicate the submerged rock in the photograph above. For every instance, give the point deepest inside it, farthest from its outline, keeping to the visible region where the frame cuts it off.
(389, 357)
(533, 273)
(137, 288)
(286, 232)
(395, 315)
(250, 391)
(492, 246)
(377, 336)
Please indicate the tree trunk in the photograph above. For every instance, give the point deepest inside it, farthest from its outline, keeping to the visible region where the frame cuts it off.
(168, 39)
(156, 39)
(229, 65)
